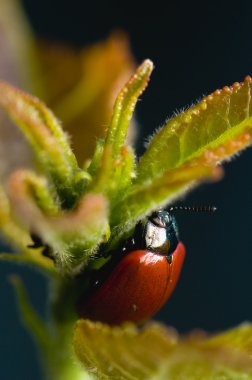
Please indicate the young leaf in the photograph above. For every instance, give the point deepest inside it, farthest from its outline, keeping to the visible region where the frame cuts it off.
(196, 140)
(73, 235)
(44, 133)
(127, 172)
(116, 158)
(145, 198)
(43, 194)
(205, 134)
(19, 238)
(155, 353)
(94, 163)
(125, 104)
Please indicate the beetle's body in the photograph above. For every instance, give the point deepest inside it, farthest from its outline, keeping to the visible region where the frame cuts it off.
(136, 289)
(141, 276)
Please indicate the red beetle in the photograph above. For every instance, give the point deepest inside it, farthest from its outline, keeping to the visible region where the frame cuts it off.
(141, 276)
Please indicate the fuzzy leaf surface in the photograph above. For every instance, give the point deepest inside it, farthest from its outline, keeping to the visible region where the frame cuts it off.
(125, 104)
(44, 133)
(145, 198)
(116, 160)
(205, 134)
(72, 235)
(156, 353)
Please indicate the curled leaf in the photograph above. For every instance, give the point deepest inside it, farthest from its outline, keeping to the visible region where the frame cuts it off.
(44, 133)
(72, 235)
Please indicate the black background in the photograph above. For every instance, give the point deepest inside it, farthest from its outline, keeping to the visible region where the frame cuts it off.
(196, 48)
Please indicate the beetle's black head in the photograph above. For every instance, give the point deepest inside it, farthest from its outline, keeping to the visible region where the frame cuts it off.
(160, 233)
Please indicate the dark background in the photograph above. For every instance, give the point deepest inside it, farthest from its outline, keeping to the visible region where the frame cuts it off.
(196, 48)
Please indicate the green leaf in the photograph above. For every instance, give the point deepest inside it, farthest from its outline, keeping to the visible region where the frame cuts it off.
(19, 238)
(81, 231)
(114, 177)
(40, 190)
(181, 155)
(44, 132)
(156, 353)
(94, 164)
(127, 172)
(205, 134)
(71, 235)
(115, 160)
(143, 199)
(125, 104)
(239, 338)
(183, 151)
(104, 178)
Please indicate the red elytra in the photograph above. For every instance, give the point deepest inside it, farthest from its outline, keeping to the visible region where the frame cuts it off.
(136, 289)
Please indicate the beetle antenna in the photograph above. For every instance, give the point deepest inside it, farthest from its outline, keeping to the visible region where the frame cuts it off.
(193, 208)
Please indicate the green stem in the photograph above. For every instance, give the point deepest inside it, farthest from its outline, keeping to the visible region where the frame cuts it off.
(54, 340)
(60, 363)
